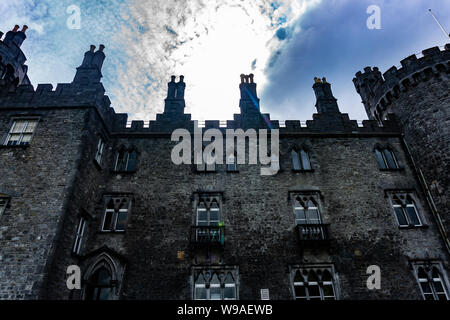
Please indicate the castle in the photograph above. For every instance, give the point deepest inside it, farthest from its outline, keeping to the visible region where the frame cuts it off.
(80, 186)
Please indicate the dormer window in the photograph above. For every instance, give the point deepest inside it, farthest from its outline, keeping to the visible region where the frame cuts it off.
(21, 132)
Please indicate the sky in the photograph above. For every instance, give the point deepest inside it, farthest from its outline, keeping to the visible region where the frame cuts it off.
(285, 44)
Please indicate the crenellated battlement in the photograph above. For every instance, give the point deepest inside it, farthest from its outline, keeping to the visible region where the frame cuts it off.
(378, 91)
(319, 124)
(86, 91)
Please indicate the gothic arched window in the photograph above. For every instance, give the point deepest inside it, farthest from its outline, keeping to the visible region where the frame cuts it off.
(99, 285)
(431, 282)
(306, 210)
(405, 210)
(300, 160)
(215, 285)
(386, 158)
(313, 284)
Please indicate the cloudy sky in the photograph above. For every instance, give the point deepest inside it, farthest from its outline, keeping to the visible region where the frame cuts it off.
(284, 43)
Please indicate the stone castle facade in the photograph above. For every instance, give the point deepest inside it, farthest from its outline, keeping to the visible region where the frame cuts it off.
(78, 186)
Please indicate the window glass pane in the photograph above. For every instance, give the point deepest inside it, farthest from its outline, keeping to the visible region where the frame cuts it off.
(121, 161)
(104, 293)
(26, 138)
(314, 291)
(438, 286)
(426, 288)
(380, 159)
(412, 215)
(326, 276)
(313, 216)
(121, 219)
(305, 160)
(103, 277)
(300, 291)
(390, 159)
(200, 293)
(202, 216)
(230, 292)
(30, 126)
(107, 220)
(300, 216)
(400, 216)
(328, 290)
(422, 274)
(298, 277)
(312, 277)
(442, 297)
(214, 216)
(132, 161)
(18, 126)
(429, 296)
(13, 139)
(295, 160)
(215, 292)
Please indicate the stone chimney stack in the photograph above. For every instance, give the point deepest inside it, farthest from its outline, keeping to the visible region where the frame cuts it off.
(326, 102)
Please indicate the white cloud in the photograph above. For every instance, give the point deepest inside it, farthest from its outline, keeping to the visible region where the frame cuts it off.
(210, 42)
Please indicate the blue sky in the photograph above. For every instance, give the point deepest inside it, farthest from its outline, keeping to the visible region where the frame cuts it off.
(284, 43)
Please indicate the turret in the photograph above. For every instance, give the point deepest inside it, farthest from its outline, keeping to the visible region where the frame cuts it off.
(365, 84)
(326, 102)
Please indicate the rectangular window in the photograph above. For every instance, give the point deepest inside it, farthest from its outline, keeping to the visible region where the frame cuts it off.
(215, 284)
(116, 214)
(79, 236)
(21, 132)
(99, 151)
(313, 283)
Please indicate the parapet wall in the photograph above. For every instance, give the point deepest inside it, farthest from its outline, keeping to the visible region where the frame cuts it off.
(379, 91)
(73, 96)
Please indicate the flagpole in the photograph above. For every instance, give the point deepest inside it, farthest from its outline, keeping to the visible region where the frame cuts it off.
(440, 25)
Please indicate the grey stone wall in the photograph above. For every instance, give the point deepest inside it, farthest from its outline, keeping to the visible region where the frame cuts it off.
(38, 179)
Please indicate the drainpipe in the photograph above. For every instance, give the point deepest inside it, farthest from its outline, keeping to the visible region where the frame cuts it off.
(428, 195)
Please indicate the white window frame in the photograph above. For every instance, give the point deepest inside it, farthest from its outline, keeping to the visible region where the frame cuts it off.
(222, 285)
(320, 284)
(79, 237)
(114, 215)
(23, 132)
(403, 208)
(315, 197)
(442, 279)
(100, 150)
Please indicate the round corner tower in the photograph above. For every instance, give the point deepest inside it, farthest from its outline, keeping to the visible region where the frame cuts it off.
(418, 94)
